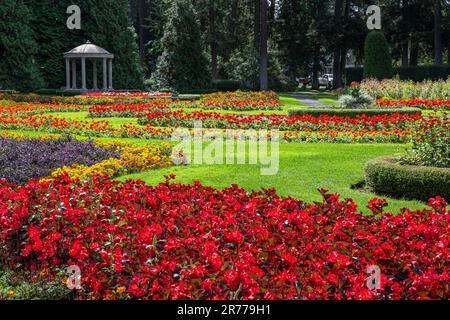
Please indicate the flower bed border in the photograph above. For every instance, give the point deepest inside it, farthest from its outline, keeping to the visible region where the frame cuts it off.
(353, 113)
(387, 176)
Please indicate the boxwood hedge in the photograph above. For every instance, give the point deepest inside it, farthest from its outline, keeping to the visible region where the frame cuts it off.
(414, 73)
(388, 177)
(352, 113)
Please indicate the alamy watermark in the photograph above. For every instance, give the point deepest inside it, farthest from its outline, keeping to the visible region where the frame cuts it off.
(374, 280)
(74, 20)
(74, 280)
(374, 20)
(238, 147)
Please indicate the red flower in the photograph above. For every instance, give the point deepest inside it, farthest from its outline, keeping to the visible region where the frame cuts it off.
(78, 251)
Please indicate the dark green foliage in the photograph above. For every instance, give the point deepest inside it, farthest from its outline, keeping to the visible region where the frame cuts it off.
(104, 23)
(107, 25)
(414, 73)
(18, 68)
(425, 72)
(226, 85)
(25, 288)
(183, 63)
(243, 67)
(295, 47)
(387, 176)
(51, 33)
(352, 113)
(377, 58)
(354, 74)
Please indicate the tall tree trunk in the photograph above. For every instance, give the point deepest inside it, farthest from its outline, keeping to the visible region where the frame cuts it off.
(414, 53)
(272, 10)
(263, 51)
(337, 71)
(257, 22)
(343, 63)
(316, 67)
(437, 32)
(144, 34)
(405, 42)
(405, 48)
(448, 52)
(212, 39)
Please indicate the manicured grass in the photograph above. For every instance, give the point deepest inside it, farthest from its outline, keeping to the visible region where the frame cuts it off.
(304, 168)
(326, 97)
(290, 102)
(329, 101)
(115, 122)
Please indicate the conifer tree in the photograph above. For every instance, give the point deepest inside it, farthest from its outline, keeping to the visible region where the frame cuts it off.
(18, 68)
(377, 58)
(183, 64)
(105, 23)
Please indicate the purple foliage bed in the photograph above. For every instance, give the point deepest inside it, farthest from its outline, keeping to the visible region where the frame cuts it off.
(24, 160)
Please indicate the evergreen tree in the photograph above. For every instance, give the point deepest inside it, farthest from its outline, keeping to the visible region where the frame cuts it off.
(377, 58)
(294, 45)
(53, 38)
(182, 65)
(105, 23)
(18, 69)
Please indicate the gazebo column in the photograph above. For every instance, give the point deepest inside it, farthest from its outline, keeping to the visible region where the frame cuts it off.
(105, 77)
(83, 74)
(110, 84)
(74, 74)
(67, 74)
(94, 68)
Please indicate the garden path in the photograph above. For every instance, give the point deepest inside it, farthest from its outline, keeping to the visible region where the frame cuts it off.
(310, 102)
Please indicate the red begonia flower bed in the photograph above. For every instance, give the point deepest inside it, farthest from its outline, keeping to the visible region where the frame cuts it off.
(175, 241)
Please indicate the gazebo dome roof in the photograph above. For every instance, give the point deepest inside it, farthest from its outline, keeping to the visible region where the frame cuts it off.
(88, 50)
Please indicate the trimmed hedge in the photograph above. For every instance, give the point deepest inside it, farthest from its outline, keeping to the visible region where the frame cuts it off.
(227, 85)
(57, 92)
(354, 74)
(414, 73)
(377, 57)
(352, 113)
(388, 177)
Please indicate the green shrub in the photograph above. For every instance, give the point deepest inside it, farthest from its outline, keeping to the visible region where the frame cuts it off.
(431, 144)
(354, 74)
(377, 58)
(352, 113)
(227, 85)
(388, 176)
(425, 72)
(182, 64)
(413, 73)
(356, 100)
(14, 287)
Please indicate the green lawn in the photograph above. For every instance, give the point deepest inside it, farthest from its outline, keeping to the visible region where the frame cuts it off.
(303, 169)
(330, 102)
(327, 97)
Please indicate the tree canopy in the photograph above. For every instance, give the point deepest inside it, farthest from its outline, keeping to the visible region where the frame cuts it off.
(214, 40)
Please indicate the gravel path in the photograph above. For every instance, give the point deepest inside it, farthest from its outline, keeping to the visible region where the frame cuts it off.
(310, 102)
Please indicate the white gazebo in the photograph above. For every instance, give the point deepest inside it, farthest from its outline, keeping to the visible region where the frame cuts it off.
(93, 53)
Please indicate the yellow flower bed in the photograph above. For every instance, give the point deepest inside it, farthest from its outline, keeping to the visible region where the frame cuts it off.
(21, 136)
(133, 159)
